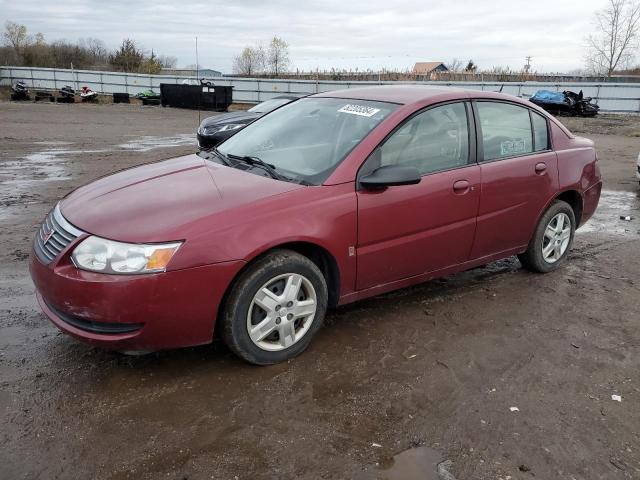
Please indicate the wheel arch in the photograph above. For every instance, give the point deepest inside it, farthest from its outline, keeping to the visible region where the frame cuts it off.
(319, 255)
(570, 196)
(574, 199)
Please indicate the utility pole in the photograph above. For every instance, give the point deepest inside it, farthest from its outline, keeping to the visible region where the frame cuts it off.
(527, 66)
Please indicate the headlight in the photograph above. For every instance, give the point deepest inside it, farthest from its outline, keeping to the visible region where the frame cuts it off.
(207, 129)
(106, 256)
(230, 126)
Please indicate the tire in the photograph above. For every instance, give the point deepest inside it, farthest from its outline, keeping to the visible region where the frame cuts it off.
(548, 249)
(261, 295)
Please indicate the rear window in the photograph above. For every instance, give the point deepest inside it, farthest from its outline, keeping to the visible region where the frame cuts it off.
(506, 130)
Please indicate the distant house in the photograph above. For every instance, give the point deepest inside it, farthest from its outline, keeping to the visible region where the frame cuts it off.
(428, 68)
(191, 72)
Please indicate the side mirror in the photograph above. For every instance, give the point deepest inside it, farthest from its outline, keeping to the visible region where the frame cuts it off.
(391, 176)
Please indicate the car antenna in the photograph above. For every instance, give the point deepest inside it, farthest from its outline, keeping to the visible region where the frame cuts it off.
(199, 83)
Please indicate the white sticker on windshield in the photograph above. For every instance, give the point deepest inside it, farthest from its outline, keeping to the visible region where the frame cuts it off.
(361, 110)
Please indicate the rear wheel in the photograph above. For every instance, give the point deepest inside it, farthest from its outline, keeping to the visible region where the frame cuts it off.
(552, 239)
(275, 308)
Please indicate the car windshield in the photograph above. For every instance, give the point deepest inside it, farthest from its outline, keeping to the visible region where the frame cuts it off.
(307, 139)
(266, 107)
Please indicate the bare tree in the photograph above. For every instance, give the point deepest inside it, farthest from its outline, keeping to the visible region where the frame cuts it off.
(250, 61)
(617, 33)
(278, 56)
(454, 65)
(96, 49)
(167, 61)
(15, 36)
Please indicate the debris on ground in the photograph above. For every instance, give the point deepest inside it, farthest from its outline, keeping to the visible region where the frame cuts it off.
(514, 409)
(443, 470)
(616, 398)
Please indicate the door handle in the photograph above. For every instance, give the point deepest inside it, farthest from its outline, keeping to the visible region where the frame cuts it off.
(541, 168)
(461, 187)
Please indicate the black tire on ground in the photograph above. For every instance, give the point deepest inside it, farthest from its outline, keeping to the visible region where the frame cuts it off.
(236, 307)
(533, 259)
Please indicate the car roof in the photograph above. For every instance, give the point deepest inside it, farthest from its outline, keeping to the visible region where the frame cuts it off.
(290, 96)
(412, 93)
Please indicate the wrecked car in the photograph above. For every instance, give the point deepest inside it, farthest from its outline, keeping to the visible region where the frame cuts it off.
(565, 103)
(331, 199)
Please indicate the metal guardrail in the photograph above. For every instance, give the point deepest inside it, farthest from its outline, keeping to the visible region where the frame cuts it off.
(611, 97)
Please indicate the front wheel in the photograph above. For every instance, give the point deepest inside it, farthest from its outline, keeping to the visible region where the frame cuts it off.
(275, 308)
(552, 239)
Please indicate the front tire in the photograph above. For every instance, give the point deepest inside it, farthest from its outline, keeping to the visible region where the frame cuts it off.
(551, 240)
(275, 308)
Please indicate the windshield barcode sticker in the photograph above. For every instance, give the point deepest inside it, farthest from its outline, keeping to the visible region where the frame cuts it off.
(361, 110)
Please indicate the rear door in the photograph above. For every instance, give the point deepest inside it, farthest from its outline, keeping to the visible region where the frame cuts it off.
(409, 230)
(519, 175)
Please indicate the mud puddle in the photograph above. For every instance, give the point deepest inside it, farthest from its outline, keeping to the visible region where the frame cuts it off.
(613, 205)
(419, 463)
(50, 164)
(45, 165)
(147, 143)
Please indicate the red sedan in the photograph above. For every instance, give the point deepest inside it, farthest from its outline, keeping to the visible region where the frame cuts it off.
(328, 200)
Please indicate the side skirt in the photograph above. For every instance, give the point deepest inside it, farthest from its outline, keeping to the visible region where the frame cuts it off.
(424, 277)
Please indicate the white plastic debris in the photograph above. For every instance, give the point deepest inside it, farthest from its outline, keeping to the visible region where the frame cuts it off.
(413, 356)
(514, 409)
(616, 398)
(377, 445)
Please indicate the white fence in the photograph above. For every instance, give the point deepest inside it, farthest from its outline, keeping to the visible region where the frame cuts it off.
(611, 97)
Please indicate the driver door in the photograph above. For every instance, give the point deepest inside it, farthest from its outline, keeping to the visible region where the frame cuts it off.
(408, 230)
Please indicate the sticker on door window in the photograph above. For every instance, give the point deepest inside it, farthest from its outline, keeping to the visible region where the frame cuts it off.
(512, 147)
(361, 110)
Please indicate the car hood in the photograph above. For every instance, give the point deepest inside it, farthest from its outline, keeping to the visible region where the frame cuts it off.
(231, 117)
(164, 201)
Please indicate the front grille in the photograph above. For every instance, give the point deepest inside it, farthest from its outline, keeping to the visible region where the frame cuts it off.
(54, 235)
(95, 327)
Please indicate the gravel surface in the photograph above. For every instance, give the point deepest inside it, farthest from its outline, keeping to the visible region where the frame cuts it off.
(419, 383)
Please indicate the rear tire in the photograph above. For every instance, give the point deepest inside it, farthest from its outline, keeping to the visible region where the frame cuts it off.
(275, 308)
(551, 240)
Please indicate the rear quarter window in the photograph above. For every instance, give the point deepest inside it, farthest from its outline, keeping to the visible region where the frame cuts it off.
(540, 132)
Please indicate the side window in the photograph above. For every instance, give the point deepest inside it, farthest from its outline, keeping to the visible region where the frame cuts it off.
(540, 132)
(506, 130)
(435, 140)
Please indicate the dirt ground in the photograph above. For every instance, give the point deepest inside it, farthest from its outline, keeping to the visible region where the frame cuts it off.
(401, 386)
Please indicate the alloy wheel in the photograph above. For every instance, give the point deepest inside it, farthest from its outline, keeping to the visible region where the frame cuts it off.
(281, 312)
(556, 238)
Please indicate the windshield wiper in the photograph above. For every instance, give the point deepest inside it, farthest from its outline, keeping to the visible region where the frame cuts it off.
(221, 156)
(258, 162)
(208, 154)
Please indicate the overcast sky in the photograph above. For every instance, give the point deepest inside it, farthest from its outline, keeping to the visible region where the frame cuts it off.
(332, 33)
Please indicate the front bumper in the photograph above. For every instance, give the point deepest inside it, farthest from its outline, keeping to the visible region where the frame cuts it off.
(133, 312)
